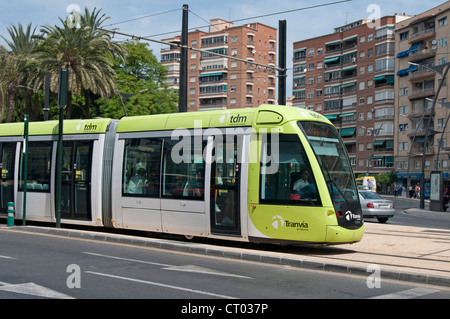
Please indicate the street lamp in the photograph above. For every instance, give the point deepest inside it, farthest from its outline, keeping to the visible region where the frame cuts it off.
(447, 105)
(408, 179)
(441, 70)
(375, 133)
(126, 96)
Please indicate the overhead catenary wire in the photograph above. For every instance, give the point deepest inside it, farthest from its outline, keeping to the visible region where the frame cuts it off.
(143, 17)
(257, 17)
(134, 37)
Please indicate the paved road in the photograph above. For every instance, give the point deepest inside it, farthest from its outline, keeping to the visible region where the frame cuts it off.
(35, 262)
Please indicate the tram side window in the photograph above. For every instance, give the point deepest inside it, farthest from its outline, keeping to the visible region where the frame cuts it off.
(289, 180)
(183, 171)
(38, 167)
(141, 167)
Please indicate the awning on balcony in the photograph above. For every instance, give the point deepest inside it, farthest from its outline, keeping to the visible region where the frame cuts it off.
(413, 48)
(346, 85)
(378, 142)
(348, 131)
(331, 116)
(211, 74)
(347, 114)
(329, 60)
(411, 68)
(389, 78)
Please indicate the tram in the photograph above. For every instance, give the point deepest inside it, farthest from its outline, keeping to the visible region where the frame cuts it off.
(272, 174)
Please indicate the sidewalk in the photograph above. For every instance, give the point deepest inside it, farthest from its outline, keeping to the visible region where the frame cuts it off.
(403, 253)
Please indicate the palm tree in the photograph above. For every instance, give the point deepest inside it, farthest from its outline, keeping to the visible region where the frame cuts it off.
(86, 52)
(15, 65)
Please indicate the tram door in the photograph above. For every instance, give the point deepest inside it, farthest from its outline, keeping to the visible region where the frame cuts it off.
(76, 180)
(225, 187)
(7, 156)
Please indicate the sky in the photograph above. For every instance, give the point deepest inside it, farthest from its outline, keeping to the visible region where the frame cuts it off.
(159, 19)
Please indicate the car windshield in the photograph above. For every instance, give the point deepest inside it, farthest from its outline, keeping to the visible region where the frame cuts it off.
(370, 195)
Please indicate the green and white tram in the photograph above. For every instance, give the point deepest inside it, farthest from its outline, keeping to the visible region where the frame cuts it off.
(270, 174)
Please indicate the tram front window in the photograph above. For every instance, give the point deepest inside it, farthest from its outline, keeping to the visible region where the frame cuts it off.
(333, 160)
(286, 176)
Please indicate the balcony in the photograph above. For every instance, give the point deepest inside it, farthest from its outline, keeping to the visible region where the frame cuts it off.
(421, 93)
(422, 35)
(422, 55)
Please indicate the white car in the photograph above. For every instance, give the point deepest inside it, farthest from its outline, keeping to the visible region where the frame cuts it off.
(374, 206)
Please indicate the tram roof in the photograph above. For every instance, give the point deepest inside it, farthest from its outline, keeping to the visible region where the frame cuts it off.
(91, 126)
(272, 115)
(263, 115)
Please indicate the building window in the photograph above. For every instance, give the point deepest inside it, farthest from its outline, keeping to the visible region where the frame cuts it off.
(403, 109)
(442, 42)
(404, 35)
(403, 146)
(361, 118)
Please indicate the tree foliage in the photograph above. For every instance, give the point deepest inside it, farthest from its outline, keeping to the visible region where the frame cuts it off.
(98, 67)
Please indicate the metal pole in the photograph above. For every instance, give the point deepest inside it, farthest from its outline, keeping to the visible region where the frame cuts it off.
(282, 62)
(447, 105)
(121, 101)
(46, 95)
(62, 99)
(184, 61)
(375, 133)
(25, 169)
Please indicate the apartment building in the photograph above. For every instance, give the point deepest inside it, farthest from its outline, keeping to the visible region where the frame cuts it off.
(220, 82)
(349, 77)
(421, 42)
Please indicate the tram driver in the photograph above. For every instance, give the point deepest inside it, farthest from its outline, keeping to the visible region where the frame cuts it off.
(302, 181)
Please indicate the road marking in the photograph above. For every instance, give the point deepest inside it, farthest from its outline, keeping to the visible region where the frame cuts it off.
(7, 257)
(128, 259)
(408, 294)
(185, 268)
(201, 270)
(33, 289)
(162, 285)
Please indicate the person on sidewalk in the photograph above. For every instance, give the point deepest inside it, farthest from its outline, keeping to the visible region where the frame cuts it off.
(445, 199)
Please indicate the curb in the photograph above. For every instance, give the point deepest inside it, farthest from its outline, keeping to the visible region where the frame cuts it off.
(217, 251)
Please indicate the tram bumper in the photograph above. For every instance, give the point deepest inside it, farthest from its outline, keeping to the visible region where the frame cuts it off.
(340, 235)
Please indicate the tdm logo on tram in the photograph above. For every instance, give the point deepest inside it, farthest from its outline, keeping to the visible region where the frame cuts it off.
(226, 116)
(349, 216)
(279, 222)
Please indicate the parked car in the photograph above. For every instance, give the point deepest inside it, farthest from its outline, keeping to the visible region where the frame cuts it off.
(374, 206)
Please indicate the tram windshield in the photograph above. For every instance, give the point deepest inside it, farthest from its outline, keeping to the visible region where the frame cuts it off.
(286, 175)
(333, 160)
